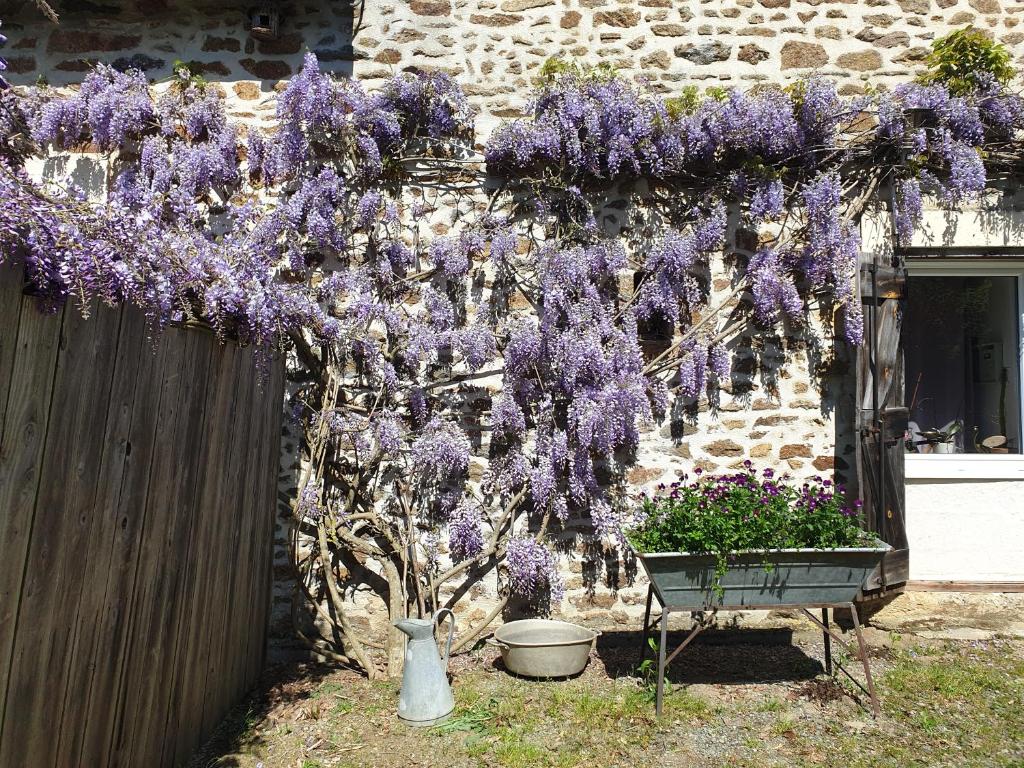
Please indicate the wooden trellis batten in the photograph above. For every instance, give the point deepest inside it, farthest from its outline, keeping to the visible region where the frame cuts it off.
(882, 414)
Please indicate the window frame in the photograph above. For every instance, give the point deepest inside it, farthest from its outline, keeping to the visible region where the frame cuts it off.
(972, 466)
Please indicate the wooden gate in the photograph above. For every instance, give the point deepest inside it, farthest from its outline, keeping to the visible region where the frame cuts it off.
(882, 415)
(137, 493)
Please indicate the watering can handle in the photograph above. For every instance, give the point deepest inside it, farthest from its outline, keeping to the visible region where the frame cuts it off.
(451, 632)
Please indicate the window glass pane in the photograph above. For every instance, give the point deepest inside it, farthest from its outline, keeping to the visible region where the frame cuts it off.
(962, 346)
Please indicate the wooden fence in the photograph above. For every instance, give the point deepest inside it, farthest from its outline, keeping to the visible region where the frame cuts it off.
(137, 493)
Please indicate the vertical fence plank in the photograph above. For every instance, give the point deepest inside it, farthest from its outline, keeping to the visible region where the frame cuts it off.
(169, 504)
(63, 517)
(142, 649)
(101, 571)
(10, 312)
(272, 414)
(137, 655)
(191, 687)
(234, 500)
(21, 452)
(114, 619)
(245, 631)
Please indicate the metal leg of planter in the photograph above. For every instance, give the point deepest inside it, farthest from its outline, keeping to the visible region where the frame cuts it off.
(828, 642)
(647, 625)
(861, 652)
(661, 661)
(864, 660)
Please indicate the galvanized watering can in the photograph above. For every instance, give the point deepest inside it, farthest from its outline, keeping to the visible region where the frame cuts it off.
(426, 697)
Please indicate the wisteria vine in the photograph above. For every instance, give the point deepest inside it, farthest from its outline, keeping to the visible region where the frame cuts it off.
(482, 339)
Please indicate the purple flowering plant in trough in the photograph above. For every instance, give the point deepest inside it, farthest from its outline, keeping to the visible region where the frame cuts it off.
(747, 510)
(472, 363)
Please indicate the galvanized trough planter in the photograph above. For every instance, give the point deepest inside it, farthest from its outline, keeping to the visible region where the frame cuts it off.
(790, 578)
(782, 577)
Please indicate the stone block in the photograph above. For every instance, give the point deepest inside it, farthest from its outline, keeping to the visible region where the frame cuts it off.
(217, 44)
(621, 17)
(139, 61)
(861, 61)
(80, 40)
(430, 7)
(752, 54)
(266, 69)
(643, 475)
(724, 447)
(515, 6)
(388, 56)
(800, 55)
(793, 450)
(824, 463)
(656, 60)
(21, 65)
(706, 53)
(284, 45)
(495, 19)
(668, 30)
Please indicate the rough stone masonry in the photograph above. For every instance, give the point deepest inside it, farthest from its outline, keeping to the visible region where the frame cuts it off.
(797, 415)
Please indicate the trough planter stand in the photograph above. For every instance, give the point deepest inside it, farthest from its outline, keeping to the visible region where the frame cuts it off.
(788, 578)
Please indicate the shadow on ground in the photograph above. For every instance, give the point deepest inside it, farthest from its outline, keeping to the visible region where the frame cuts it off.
(716, 657)
(283, 684)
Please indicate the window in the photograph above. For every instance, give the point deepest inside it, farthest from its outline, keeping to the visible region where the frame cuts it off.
(963, 357)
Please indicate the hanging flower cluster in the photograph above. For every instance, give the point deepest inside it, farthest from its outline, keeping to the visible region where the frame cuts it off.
(594, 125)
(319, 116)
(944, 135)
(757, 151)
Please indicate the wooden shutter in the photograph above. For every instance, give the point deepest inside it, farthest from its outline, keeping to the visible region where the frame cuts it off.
(882, 415)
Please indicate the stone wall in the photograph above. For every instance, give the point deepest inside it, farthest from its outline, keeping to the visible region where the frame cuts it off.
(152, 34)
(495, 46)
(791, 407)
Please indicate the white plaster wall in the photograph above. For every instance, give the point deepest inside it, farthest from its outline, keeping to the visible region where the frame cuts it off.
(965, 529)
(995, 220)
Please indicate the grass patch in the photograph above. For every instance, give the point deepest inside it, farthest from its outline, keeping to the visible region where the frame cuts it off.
(681, 703)
(951, 704)
(771, 705)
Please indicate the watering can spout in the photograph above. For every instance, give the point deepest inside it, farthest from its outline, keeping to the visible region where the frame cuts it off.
(412, 627)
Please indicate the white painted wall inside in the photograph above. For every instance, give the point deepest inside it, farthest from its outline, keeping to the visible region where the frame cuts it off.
(965, 528)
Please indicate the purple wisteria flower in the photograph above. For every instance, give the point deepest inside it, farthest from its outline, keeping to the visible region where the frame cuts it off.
(448, 255)
(507, 418)
(3, 62)
(908, 210)
(532, 567)
(772, 287)
(465, 535)
(441, 452)
(767, 200)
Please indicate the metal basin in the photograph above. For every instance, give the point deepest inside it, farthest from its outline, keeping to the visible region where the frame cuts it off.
(544, 648)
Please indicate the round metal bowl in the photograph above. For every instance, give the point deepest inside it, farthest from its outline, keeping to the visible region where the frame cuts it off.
(544, 648)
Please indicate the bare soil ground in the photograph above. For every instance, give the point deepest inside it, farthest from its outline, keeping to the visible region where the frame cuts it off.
(750, 697)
